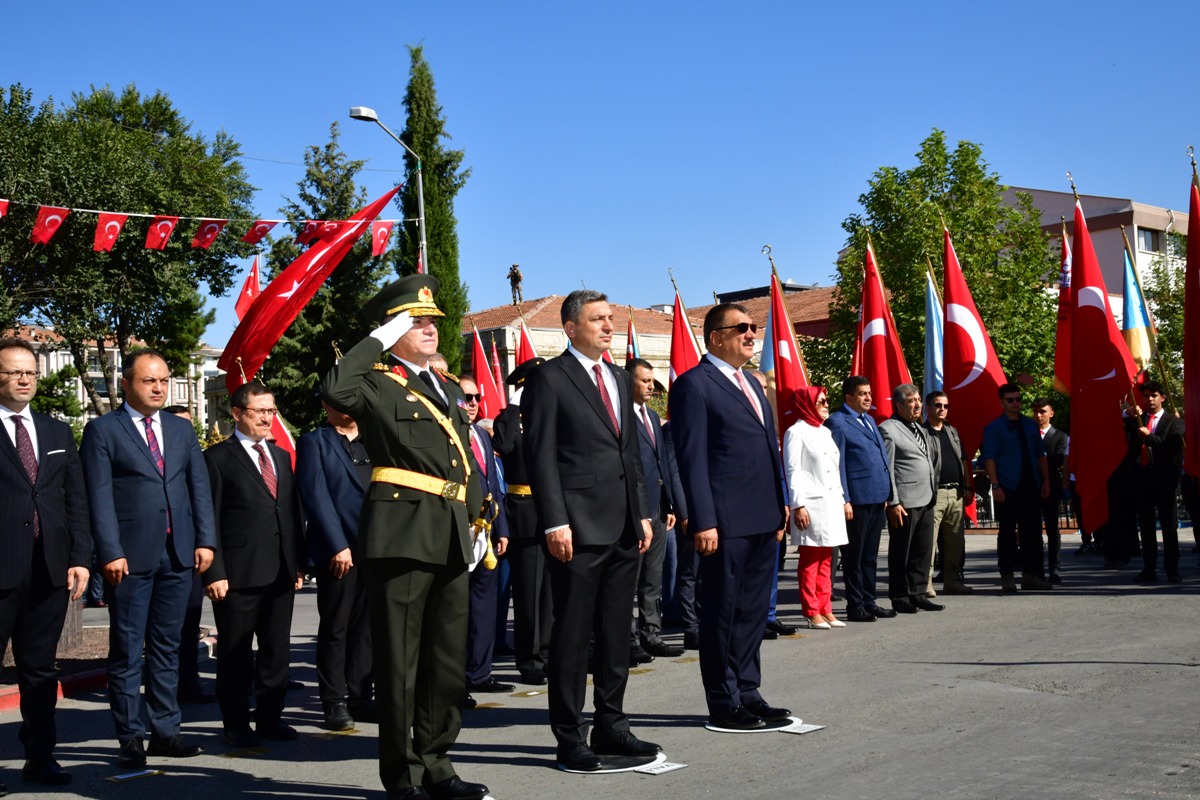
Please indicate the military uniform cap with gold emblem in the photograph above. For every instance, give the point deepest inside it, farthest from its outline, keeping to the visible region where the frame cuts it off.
(412, 293)
(517, 376)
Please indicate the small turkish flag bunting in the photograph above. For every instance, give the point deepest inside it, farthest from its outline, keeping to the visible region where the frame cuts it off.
(329, 229)
(207, 233)
(311, 228)
(381, 232)
(108, 227)
(160, 231)
(258, 230)
(49, 219)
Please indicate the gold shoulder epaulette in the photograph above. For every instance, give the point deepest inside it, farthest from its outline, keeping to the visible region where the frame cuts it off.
(379, 367)
(446, 375)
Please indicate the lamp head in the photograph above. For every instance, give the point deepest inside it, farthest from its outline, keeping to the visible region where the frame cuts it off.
(364, 113)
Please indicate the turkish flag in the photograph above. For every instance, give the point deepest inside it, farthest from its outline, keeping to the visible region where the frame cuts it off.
(489, 402)
(971, 371)
(685, 354)
(206, 234)
(159, 232)
(329, 228)
(250, 292)
(282, 437)
(607, 356)
(878, 356)
(1101, 376)
(258, 230)
(381, 232)
(108, 227)
(1062, 338)
(285, 297)
(790, 374)
(3, 208)
(1191, 337)
(525, 348)
(632, 350)
(49, 220)
(311, 228)
(497, 379)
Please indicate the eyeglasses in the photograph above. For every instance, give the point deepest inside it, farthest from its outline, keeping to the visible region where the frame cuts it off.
(940, 405)
(17, 374)
(741, 327)
(1012, 399)
(472, 398)
(266, 412)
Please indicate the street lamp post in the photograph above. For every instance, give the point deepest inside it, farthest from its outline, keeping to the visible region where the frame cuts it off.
(369, 115)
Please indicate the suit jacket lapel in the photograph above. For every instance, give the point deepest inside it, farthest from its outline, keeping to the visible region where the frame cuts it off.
(131, 428)
(243, 457)
(334, 440)
(11, 451)
(583, 382)
(728, 386)
(643, 432)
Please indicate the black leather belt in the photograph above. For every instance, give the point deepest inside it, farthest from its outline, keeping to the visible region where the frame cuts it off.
(948, 485)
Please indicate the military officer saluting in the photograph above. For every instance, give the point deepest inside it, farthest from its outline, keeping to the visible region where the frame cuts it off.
(423, 496)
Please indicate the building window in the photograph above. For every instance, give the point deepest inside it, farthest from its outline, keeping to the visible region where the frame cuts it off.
(1150, 241)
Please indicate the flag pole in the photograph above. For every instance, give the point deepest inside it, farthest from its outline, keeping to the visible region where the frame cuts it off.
(687, 319)
(766, 249)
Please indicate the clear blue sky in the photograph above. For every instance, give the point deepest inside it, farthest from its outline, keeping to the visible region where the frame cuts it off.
(608, 141)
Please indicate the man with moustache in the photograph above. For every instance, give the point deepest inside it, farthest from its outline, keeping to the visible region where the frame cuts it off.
(257, 568)
(152, 522)
(956, 485)
(585, 475)
(416, 543)
(732, 477)
(47, 546)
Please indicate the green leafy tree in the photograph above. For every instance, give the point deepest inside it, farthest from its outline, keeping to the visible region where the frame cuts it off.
(1163, 285)
(56, 395)
(123, 152)
(1006, 259)
(334, 315)
(444, 176)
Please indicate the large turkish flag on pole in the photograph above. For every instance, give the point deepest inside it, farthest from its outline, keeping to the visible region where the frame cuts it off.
(684, 352)
(250, 292)
(790, 375)
(877, 353)
(972, 373)
(1101, 376)
(489, 395)
(1191, 336)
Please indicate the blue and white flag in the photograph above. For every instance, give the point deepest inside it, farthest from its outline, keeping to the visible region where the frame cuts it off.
(933, 336)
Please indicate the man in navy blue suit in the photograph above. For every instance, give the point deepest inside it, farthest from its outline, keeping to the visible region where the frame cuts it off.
(152, 520)
(47, 548)
(867, 487)
(665, 494)
(333, 470)
(732, 478)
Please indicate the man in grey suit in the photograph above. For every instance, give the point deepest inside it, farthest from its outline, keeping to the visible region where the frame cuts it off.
(914, 463)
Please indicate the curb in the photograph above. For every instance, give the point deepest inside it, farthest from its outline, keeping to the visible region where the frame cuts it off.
(89, 681)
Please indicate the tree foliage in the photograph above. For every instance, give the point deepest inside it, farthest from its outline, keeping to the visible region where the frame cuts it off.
(1163, 285)
(123, 152)
(56, 395)
(1005, 256)
(334, 315)
(444, 176)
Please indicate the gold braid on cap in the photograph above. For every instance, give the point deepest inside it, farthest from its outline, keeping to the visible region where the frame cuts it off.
(424, 304)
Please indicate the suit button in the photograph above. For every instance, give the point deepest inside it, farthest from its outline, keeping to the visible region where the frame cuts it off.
(416, 415)
(395, 495)
(454, 462)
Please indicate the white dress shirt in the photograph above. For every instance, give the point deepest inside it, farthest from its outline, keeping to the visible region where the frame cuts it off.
(249, 444)
(10, 427)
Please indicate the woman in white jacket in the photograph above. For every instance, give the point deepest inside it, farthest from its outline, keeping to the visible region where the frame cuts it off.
(819, 511)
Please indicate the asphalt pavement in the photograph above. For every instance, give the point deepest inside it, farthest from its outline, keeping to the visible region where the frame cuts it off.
(1086, 691)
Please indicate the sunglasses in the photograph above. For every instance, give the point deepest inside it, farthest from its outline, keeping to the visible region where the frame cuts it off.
(941, 405)
(741, 327)
(1012, 400)
(472, 398)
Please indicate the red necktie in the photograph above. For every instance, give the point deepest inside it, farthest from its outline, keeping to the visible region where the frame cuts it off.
(741, 379)
(649, 427)
(477, 449)
(268, 470)
(1144, 460)
(604, 398)
(29, 462)
(156, 454)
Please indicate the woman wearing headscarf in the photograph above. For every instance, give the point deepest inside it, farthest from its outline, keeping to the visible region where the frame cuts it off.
(819, 511)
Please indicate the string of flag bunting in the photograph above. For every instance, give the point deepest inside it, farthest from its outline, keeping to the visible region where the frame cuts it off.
(109, 225)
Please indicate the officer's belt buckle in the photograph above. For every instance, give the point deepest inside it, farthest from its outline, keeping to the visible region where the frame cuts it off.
(451, 490)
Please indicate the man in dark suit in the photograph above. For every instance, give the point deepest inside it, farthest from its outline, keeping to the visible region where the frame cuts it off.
(415, 537)
(532, 607)
(867, 487)
(333, 470)
(732, 480)
(1055, 442)
(665, 495)
(152, 520)
(47, 546)
(256, 571)
(481, 625)
(914, 464)
(1157, 466)
(956, 485)
(585, 472)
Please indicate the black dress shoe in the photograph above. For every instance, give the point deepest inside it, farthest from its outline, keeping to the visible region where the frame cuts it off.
(411, 793)
(241, 737)
(363, 710)
(691, 640)
(925, 604)
(662, 649)
(622, 743)
(470, 703)
(881, 613)
(534, 677)
(860, 616)
(278, 731)
(638, 655)
(490, 686)
(133, 754)
(1145, 576)
(1174, 577)
(902, 605)
(768, 712)
(172, 747)
(1055, 577)
(769, 634)
(780, 628)
(739, 719)
(455, 788)
(47, 772)
(581, 759)
(337, 717)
